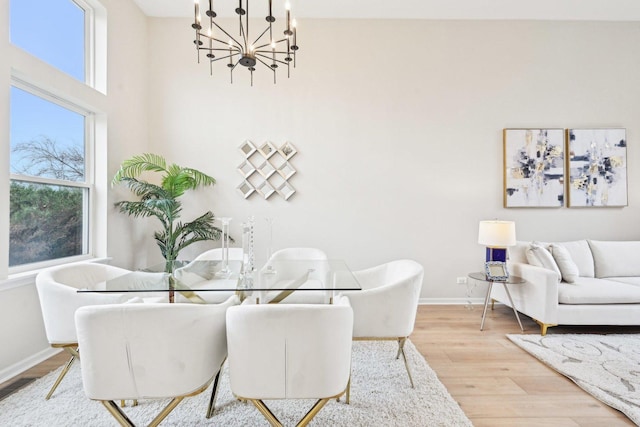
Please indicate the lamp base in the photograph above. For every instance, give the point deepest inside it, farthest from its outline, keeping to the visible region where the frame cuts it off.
(496, 254)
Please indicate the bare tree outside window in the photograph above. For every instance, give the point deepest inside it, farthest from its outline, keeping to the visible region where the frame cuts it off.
(45, 220)
(43, 157)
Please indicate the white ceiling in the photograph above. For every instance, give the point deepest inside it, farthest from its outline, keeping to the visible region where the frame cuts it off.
(599, 10)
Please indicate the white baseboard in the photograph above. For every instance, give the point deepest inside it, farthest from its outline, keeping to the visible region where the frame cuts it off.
(450, 301)
(18, 368)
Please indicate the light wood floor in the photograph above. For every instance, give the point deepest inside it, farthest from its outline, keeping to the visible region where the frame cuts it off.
(494, 381)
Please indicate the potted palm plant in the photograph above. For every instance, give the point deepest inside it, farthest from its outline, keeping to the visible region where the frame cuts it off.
(162, 201)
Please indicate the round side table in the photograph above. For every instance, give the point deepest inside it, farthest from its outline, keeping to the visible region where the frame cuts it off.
(512, 280)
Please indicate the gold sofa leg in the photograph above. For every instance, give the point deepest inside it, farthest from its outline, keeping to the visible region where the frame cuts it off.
(544, 326)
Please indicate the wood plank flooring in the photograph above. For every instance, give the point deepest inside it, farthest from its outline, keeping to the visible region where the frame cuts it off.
(495, 382)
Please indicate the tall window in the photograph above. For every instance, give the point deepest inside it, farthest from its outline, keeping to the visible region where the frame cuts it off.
(51, 138)
(49, 186)
(52, 30)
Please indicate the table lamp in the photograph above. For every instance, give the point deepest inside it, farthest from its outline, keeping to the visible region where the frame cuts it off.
(497, 236)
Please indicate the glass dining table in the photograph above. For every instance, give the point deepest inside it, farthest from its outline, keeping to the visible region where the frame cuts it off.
(212, 282)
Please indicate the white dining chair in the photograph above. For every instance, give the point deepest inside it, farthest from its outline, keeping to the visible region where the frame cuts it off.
(235, 254)
(298, 253)
(291, 275)
(151, 351)
(289, 351)
(198, 272)
(386, 307)
(59, 299)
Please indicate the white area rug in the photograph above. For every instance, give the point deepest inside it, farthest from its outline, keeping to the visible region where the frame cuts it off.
(606, 366)
(380, 395)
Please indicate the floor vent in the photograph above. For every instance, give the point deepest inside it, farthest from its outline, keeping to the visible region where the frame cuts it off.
(15, 386)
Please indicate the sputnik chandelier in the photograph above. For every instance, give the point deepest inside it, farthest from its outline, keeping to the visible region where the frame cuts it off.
(240, 50)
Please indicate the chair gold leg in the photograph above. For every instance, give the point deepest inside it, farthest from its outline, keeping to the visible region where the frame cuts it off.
(214, 394)
(281, 296)
(400, 345)
(74, 356)
(166, 411)
(117, 413)
(348, 398)
(347, 392)
(266, 412)
(312, 412)
(401, 342)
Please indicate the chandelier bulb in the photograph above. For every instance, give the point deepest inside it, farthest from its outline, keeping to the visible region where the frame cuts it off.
(196, 18)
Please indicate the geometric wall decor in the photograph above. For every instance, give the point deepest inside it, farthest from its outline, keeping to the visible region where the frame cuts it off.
(266, 169)
(533, 168)
(597, 163)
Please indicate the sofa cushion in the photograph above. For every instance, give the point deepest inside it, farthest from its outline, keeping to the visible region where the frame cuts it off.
(540, 256)
(635, 281)
(567, 267)
(580, 254)
(616, 259)
(587, 290)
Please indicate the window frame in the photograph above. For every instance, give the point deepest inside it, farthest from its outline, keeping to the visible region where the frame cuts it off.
(89, 42)
(90, 95)
(88, 183)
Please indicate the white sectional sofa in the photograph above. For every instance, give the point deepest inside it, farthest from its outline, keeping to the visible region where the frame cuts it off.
(601, 283)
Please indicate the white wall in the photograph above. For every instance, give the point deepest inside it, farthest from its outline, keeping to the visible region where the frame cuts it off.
(398, 125)
(123, 112)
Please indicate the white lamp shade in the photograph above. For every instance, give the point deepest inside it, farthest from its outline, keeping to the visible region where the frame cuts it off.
(497, 234)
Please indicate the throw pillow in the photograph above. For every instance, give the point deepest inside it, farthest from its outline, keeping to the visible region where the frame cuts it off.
(568, 268)
(539, 256)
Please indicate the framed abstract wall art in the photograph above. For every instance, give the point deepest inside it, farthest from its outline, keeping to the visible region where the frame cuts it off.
(597, 164)
(533, 168)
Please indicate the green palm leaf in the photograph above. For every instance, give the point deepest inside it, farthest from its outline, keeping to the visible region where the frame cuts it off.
(199, 229)
(161, 201)
(134, 166)
(179, 180)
